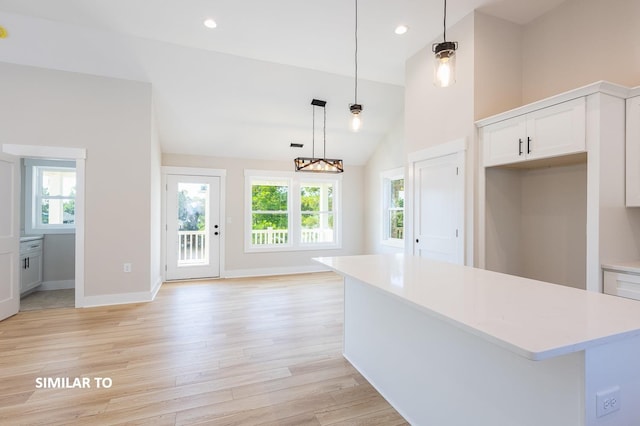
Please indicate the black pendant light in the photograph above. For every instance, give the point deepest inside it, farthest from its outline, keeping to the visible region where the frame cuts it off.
(355, 107)
(313, 164)
(444, 71)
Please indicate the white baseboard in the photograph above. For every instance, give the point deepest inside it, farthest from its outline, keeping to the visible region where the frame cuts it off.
(57, 285)
(123, 298)
(282, 270)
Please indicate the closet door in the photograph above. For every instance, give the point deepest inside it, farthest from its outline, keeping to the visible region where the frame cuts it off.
(9, 235)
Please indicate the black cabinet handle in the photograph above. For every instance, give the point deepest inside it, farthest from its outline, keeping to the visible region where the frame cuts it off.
(519, 146)
(417, 240)
(28, 262)
(215, 226)
(216, 233)
(24, 263)
(528, 145)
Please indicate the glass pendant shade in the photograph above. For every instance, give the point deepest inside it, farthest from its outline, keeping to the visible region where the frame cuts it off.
(444, 66)
(356, 117)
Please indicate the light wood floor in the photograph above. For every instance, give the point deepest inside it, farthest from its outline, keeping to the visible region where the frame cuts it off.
(227, 352)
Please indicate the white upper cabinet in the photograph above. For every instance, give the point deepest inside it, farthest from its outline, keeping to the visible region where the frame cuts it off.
(547, 132)
(633, 152)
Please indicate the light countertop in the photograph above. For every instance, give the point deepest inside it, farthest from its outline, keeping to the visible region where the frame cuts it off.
(533, 319)
(632, 267)
(30, 238)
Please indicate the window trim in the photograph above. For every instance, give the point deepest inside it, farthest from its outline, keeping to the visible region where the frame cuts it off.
(385, 178)
(31, 167)
(295, 229)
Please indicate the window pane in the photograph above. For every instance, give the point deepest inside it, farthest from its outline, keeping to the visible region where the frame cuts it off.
(58, 183)
(316, 228)
(192, 206)
(316, 197)
(397, 193)
(269, 228)
(269, 197)
(59, 211)
(396, 224)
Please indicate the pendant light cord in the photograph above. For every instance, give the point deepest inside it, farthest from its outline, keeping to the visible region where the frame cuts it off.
(356, 55)
(444, 21)
(313, 133)
(324, 149)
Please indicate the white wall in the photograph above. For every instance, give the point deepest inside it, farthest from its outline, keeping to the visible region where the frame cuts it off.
(389, 154)
(111, 119)
(239, 263)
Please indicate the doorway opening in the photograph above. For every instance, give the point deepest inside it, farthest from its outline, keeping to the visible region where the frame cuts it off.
(58, 204)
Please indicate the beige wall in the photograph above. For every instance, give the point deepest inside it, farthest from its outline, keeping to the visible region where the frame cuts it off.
(579, 42)
(434, 115)
(240, 263)
(536, 223)
(155, 202)
(497, 66)
(111, 119)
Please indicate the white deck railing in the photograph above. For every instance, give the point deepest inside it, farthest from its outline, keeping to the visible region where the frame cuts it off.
(272, 236)
(192, 247)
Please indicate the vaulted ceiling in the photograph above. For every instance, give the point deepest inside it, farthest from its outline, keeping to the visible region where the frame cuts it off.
(244, 88)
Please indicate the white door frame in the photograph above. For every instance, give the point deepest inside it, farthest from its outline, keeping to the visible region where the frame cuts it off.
(457, 146)
(78, 155)
(194, 171)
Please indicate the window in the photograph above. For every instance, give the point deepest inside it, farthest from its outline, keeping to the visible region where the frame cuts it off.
(393, 208)
(289, 211)
(316, 212)
(50, 192)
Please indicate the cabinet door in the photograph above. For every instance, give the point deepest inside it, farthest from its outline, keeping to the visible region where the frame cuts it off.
(504, 142)
(31, 275)
(556, 130)
(633, 152)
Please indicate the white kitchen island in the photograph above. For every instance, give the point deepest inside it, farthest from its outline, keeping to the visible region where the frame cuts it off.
(453, 345)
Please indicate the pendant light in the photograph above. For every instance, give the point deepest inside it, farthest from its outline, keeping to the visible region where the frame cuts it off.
(355, 107)
(444, 71)
(313, 164)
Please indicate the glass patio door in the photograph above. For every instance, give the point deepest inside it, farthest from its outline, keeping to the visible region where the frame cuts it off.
(193, 227)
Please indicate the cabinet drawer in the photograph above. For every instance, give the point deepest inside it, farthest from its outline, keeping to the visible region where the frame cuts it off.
(30, 246)
(622, 284)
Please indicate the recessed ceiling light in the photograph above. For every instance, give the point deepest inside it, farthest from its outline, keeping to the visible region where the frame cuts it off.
(401, 29)
(210, 23)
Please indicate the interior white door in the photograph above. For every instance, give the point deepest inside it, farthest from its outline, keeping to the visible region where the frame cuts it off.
(193, 227)
(439, 209)
(9, 235)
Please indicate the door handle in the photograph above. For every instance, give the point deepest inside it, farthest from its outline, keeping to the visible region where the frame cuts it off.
(215, 226)
(28, 262)
(417, 240)
(519, 146)
(216, 233)
(528, 145)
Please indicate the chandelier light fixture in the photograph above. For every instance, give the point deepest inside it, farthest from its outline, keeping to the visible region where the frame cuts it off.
(313, 164)
(355, 107)
(445, 58)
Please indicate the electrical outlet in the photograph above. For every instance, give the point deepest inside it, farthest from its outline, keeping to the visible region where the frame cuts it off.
(126, 267)
(607, 401)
